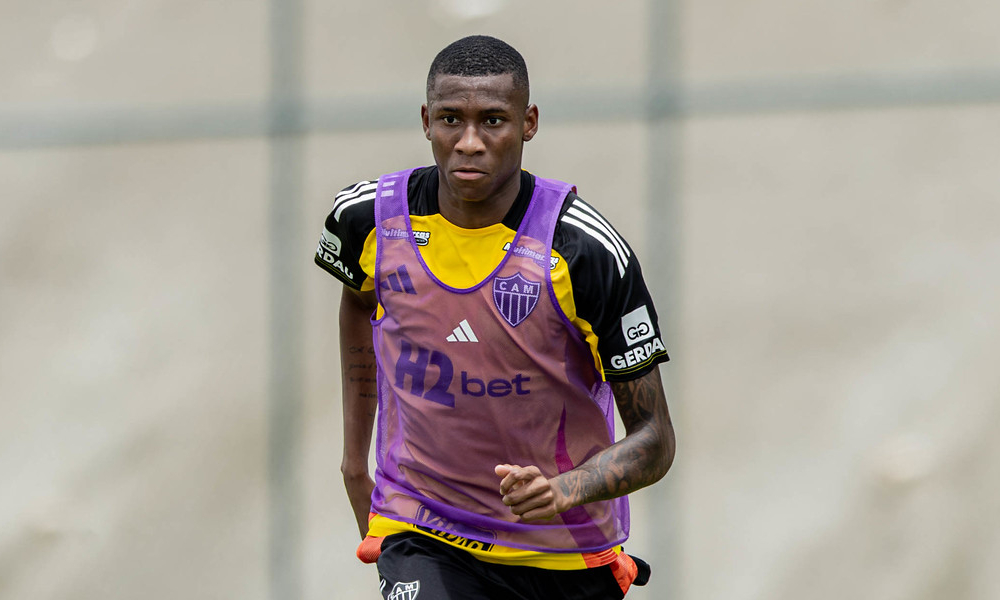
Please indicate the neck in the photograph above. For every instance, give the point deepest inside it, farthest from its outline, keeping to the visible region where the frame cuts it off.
(474, 214)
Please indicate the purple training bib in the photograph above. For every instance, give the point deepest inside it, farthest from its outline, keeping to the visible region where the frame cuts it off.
(472, 378)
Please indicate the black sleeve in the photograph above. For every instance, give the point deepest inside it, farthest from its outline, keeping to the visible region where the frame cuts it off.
(345, 231)
(609, 292)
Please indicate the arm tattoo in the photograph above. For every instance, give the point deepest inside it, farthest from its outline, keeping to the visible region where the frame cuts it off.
(641, 458)
(360, 376)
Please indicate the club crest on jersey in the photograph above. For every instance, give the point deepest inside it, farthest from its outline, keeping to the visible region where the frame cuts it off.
(515, 297)
(405, 590)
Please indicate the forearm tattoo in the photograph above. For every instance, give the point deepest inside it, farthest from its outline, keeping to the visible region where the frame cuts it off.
(359, 373)
(641, 458)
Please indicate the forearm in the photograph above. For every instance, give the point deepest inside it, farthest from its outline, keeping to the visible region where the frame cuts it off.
(357, 356)
(640, 459)
(360, 400)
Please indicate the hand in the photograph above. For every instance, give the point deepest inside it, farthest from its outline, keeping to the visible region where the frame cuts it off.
(529, 494)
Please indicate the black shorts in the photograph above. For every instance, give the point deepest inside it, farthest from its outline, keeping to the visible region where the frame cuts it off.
(413, 566)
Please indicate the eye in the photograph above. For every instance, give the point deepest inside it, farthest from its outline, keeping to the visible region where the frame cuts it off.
(450, 119)
(494, 121)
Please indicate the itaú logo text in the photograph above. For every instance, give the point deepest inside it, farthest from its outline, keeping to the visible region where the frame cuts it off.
(430, 373)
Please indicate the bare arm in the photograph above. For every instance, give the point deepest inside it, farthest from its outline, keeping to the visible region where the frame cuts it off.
(639, 459)
(357, 364)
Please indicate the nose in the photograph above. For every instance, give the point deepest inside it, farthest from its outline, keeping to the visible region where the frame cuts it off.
(470, 142)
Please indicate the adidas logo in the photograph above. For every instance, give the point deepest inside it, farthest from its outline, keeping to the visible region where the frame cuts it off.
(398, 282)
(463, 333)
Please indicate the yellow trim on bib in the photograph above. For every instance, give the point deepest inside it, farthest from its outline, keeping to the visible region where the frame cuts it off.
(379, 526)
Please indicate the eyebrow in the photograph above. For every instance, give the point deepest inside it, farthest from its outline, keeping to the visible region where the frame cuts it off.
(487, 111)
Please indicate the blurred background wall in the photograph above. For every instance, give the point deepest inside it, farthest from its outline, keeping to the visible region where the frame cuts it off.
(812, 188)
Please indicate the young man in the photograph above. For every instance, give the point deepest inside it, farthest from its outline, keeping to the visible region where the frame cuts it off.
(487, 318)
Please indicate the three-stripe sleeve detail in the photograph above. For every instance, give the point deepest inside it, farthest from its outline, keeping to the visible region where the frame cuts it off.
(360, 192)
(593, 224)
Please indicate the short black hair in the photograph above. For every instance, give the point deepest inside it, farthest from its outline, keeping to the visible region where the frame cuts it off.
(479, 56)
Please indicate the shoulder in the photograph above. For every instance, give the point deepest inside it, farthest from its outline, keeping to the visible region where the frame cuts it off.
(354, 204)
(609, 291)
(583, 234)
(346, 246)
(345, 231)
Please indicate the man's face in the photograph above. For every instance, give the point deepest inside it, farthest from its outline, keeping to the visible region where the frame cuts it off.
(477, 127)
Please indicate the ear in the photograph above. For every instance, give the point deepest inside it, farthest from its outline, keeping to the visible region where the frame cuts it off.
(425, 117)
(530, 123)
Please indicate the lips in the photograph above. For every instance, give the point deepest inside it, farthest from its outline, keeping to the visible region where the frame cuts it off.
(468, 173)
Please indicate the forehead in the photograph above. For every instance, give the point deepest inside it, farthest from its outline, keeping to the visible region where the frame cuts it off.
(486, 89)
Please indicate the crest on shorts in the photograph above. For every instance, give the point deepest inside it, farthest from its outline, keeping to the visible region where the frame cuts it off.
(515, 297)
(404, 590)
